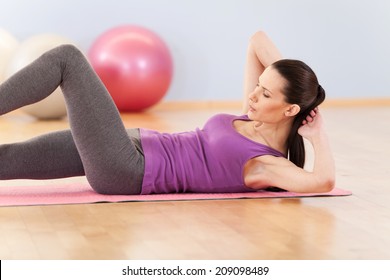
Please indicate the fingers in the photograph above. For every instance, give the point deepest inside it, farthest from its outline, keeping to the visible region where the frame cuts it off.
(309, 118)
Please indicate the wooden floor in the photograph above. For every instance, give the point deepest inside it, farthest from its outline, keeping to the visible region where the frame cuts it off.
(353, 227)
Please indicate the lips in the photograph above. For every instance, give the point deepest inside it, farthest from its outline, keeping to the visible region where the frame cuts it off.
(250, 105)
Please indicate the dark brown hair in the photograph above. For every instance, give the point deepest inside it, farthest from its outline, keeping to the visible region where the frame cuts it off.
(302, 88)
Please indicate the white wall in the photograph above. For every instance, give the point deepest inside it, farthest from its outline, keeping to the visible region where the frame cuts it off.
(345, 42)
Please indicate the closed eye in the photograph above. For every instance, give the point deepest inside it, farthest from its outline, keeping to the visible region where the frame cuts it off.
(266, 95)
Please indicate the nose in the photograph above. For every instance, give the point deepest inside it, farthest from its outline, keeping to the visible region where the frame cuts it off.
(253, 96)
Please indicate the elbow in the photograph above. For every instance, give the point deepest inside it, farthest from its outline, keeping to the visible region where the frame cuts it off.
(327, 185)
(258, 35)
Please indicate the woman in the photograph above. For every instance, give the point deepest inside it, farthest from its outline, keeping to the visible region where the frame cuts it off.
(284, 109)
(230, 154)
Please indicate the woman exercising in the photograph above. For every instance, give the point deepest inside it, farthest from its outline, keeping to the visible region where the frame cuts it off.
(261, 149)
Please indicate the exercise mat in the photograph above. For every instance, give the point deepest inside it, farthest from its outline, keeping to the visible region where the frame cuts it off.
(82, 193)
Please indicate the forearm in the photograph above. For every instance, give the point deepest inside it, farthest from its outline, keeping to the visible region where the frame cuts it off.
(324, 166)
(261, 53)
(266, 51)
(253, 70)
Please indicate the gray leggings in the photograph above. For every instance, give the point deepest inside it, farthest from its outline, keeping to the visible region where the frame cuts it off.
(97, 145)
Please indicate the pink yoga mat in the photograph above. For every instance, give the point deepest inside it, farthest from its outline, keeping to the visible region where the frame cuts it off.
(82, 193)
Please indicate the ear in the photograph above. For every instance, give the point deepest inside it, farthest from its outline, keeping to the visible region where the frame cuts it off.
(292, 110)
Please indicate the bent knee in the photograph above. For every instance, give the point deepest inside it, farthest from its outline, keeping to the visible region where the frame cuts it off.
(66, 51)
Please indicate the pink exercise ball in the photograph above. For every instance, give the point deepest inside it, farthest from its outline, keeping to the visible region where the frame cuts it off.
(134, 64)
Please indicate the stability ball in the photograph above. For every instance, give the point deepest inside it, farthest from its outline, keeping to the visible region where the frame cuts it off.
(52, 107)
(8, 46)
(134, 64)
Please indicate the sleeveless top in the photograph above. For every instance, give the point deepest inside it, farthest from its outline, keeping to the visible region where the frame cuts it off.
(208, 160)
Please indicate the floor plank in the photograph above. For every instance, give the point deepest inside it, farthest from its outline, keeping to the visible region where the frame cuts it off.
(354, 227)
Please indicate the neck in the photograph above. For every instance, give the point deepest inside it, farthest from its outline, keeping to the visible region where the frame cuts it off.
(274, 134)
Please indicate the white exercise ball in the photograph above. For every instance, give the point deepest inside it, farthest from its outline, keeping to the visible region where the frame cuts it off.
(52, 107)
(8, 46)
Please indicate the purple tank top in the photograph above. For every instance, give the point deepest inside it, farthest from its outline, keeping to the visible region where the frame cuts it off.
(208, 160)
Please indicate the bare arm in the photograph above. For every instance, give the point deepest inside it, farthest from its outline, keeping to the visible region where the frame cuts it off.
(280, 172)
(260, 54)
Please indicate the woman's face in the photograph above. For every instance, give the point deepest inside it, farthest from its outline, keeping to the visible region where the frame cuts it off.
(267, 102)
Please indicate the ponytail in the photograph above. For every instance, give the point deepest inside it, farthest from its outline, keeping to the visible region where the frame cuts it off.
(295, 144)
(301, 88)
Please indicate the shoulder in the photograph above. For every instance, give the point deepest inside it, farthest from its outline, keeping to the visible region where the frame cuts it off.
(230, 116)
(259, 171)
(267, 163)
(222, 119)
(270, 160)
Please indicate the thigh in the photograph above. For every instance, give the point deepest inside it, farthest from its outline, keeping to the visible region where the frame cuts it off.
(111, 161)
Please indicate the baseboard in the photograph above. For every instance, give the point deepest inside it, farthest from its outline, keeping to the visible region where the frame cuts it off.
(237, 104)
(358, 102)
(198, 105)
